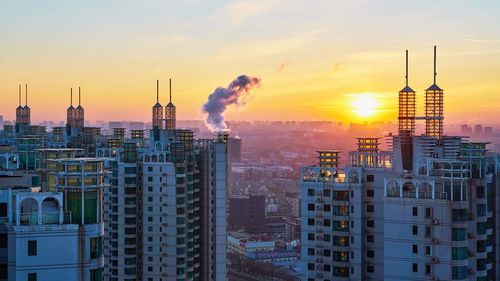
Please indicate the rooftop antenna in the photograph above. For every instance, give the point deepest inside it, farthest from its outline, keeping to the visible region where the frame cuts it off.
(19, 94)
(406, 76)
(435, 73)
(157, 91)
(71, 96)
(170, 87)
(79, 97)
(26, 92)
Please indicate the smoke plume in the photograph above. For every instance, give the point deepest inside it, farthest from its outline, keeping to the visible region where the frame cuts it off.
(221, 98)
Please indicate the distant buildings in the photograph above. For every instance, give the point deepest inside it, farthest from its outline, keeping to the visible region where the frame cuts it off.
(261, 248)
(247, 212)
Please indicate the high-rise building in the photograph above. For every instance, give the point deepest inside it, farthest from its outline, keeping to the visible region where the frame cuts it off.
(55, 235)
(432, 218)
(167, 205)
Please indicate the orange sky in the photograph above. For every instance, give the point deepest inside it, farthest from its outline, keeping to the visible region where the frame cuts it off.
(314, 60)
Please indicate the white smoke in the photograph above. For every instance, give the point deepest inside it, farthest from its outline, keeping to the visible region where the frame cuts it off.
(223, 97)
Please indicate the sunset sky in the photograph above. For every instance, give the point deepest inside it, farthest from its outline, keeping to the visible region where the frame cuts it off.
(318, 60)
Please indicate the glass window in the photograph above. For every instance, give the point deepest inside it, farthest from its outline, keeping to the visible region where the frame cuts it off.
(459, 253)
(458, 234)
(32, 248)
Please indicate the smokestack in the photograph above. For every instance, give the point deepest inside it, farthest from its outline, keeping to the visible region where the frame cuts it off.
(26, 92)
(71, 96)
(19, 94)
(221, 98)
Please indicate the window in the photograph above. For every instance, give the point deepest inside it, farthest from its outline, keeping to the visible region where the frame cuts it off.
(415, 211)
(370, 268)
(415, 267)
(458, 234)
(415, 230)
(370, 193)
(96, 274)
(326, 208)
(31, 276)
(310, 207)
(414, 249)
(427, 269)
(3, 210)
(370, 238)
(428, 251)
(428, 212)
(310, 251)
(459, 215)
(459, 272)
(32, 249)
(310, 266)
(310, 221)
(310, 236)
(480, 192)
(3, 240)
(459, 253)
(370, 223)
(370, 254)
(370, 208)
(310, 192)
(427, 231)
(370, 178)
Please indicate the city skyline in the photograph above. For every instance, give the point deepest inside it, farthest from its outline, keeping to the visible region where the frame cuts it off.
(346, 54)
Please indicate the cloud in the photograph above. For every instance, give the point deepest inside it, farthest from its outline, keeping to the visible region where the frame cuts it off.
(239, 11)
(283, 65)
(482, 41)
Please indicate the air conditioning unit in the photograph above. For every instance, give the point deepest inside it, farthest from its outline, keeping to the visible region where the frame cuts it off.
(434, 278)
(471, 236)
(435, 240)
(435, 222)
(471, 216)
(435, 259)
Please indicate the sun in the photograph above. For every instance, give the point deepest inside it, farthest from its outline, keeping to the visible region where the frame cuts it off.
(364, 105)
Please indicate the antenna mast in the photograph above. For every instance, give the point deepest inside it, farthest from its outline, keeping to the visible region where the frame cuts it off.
(19, 94)
(26, 92)
(170, 88)
(157, 91)
(435, 73)
(406, 76)
(79, 96)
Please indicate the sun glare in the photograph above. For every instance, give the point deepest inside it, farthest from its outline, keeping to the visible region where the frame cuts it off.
(365, 105)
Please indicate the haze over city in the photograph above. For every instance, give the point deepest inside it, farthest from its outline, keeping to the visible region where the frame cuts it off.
(346, 140)
(334, 60)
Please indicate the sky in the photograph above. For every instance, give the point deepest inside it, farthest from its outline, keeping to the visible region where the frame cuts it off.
(338, 60)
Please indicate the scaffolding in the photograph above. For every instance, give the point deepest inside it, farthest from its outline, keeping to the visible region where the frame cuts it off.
(170, 118)
(157, 110)
(406, 121)
(79, 119)
(434, 108)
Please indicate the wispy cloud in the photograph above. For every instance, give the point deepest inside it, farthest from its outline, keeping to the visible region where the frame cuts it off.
(239, 11)
(283, 65)
(482, 41)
